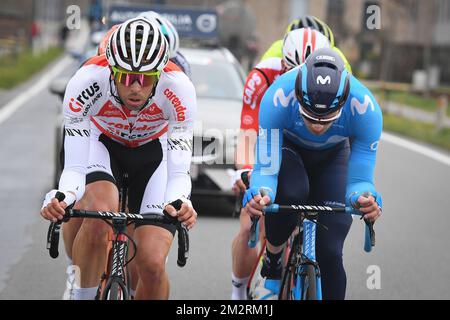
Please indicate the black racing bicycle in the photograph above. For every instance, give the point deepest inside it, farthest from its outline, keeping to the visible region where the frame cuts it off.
(116, 279)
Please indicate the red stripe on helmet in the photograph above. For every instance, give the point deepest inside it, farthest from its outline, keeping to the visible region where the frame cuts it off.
(305, 39)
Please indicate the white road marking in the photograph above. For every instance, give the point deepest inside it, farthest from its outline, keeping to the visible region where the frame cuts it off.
(430, 153)
(14, 105)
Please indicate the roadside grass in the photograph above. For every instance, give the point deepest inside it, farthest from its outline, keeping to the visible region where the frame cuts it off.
(17, 69)
(411, 99)
(418, 130)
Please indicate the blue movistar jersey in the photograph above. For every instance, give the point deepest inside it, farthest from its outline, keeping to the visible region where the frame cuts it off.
(279, 118)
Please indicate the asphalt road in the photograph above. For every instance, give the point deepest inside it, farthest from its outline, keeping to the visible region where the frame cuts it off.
(411, 254)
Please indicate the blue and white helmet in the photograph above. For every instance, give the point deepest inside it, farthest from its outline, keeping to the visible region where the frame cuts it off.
(323, 84)
(167, 28)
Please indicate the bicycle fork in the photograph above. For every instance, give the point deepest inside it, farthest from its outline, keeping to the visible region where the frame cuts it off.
(117, 259)
(308, 259)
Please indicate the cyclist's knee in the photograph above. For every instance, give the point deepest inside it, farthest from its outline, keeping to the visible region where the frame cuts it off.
(100, 196)
(95, 232)
(152, 268)
(97, 204)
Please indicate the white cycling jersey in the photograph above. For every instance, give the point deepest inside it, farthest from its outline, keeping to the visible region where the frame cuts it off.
(88, 102)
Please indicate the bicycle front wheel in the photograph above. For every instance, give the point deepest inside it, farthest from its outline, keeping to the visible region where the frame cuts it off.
(115, 291)
(287, 284)
(309, 289)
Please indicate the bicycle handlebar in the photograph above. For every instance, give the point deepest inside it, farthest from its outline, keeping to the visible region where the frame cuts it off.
(311, 212)
(183, 236)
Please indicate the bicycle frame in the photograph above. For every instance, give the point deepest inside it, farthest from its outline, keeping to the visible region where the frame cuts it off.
(115, 267)
(307, 249)
(303, 253)
(117, 251)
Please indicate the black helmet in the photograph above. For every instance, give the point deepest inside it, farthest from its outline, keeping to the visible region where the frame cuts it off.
(313, 23)
(323, 84)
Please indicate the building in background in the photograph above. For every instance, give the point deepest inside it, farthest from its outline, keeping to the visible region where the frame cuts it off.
(34, 24)
(414, 35)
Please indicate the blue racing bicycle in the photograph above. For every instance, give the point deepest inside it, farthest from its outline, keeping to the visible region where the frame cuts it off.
(301, 279)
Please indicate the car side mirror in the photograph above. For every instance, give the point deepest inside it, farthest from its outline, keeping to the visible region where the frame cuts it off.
(76, 55)
(58, 87)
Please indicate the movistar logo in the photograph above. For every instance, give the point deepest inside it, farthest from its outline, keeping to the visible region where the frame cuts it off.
(361, 108)
(321, 80)
(280, 97)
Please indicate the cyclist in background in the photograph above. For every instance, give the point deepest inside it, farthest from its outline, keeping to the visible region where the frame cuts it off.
(297, 45)
(322, 127)
(129, 110)
(171, 34)
(306, 21)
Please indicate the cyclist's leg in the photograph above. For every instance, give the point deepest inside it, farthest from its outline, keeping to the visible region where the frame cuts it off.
(244, 258)
(153, 240)
(146, 194)
(70, 230)
(89, 249)
(328, 186)
(90, 244)
(293, 187)
(154, 243)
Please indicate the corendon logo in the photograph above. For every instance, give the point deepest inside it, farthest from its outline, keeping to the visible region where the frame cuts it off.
(179, 108)
(255, 80)
(84, 96)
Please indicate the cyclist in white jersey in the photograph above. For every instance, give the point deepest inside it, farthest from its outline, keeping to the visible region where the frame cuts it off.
(127, 111)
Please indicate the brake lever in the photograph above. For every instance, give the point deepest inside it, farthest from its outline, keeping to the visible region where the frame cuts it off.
(372, 231)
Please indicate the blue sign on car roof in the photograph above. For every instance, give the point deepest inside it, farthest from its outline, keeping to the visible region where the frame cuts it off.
(190, 22)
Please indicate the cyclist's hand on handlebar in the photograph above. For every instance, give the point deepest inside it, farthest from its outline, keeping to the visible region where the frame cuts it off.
(53, 209)
(369, 207)
(239, 185)
(254, 202)
(187, 214)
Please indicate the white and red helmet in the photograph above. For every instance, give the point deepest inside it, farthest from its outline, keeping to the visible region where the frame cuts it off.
(298, 44)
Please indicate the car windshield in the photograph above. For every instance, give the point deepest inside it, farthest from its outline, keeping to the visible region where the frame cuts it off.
(217, 80)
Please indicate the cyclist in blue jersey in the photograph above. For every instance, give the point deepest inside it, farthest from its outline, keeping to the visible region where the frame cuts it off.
(319, 133)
